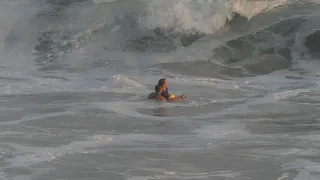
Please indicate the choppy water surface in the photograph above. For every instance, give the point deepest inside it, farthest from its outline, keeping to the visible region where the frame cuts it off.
(75, 75)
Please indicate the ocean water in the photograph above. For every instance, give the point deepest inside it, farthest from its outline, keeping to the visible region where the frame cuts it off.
(75, 74)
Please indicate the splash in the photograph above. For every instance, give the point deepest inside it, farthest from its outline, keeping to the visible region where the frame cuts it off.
(205, 16)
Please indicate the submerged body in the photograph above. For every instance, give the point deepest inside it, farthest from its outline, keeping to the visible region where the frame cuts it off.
(156, 96)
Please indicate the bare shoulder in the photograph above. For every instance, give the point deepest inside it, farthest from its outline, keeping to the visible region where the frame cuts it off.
(152, 95)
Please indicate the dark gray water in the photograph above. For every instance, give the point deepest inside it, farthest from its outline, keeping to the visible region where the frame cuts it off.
(75, 76)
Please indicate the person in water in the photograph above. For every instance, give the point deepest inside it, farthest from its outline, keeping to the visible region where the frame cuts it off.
(161, 92)
(157, 95)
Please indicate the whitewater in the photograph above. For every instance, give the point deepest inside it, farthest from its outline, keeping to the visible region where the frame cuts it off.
(75, 74)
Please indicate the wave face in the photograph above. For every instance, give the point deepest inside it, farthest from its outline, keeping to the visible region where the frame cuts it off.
(54, 33)
(205, 16)
(75, 74)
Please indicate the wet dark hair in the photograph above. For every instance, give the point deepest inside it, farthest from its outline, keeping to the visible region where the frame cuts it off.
(157, 88)
(161, 81)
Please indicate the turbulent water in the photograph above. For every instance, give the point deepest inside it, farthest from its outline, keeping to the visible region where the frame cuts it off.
(75, 74)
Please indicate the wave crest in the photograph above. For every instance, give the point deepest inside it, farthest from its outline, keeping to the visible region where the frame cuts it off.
(205, 16)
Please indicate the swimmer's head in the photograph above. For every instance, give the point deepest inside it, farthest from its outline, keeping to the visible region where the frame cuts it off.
(158, 88)
(163, 82)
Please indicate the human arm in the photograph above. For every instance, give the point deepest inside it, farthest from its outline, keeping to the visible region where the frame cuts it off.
(177, 98)
(161, 98)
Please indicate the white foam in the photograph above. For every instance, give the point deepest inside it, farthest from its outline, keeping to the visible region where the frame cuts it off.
(218, 131)
(205, 16)
(73, 83)
(250, 9)
(306, 169)
(125, 82)
(284, 176)
(37, 85)
(287, 94)
(33, 117)
(4, 176)
(34, 155)
(182, 175)
(311, 137)
(289, 152)
(126, 108)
